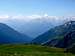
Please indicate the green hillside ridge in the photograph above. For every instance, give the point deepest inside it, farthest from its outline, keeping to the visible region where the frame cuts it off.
(31, 50)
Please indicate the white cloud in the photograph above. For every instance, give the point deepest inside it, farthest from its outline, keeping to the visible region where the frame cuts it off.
(4, 16)
(32, 17)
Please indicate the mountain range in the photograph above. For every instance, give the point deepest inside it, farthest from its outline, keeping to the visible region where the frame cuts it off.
(44, 32)
(55, 35)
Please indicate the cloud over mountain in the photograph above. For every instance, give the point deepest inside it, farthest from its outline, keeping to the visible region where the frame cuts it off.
(34, 25)
(31, 17)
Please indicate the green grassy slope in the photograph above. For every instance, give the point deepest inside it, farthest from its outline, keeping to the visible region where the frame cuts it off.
(31, 50)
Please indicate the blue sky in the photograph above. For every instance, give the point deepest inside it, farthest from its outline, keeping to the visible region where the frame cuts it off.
(39, 7)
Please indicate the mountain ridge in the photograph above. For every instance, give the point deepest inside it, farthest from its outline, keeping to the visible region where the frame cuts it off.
(9, 35)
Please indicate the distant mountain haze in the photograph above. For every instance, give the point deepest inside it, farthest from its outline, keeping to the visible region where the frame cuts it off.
(34, 27)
